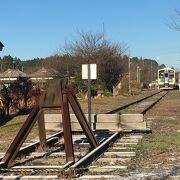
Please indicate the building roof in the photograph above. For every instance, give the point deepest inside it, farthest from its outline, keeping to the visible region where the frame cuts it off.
(12, 73)
(43, 72)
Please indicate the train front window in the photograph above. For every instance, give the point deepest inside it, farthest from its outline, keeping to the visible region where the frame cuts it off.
(161, 74)
(171, 75)
(166, 75)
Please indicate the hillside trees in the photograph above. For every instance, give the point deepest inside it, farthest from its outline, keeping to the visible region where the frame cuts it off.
(9, 62)
(148, 69)
(6, 62)
(33, 65)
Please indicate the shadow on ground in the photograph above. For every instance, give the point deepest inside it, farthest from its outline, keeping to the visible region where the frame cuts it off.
(4, 119)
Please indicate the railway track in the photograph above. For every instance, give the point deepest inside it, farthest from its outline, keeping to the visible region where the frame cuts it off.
(159, 94)
(108, 160)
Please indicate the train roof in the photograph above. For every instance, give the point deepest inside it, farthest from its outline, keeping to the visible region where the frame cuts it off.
(166, 68)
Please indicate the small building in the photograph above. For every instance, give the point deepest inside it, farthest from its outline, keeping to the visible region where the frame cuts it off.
(1, 46)
(11, 75)
(43, 74)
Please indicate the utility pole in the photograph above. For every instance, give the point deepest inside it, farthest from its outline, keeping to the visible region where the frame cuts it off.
(129, 64)
(151, 71)
(103, 32)
(137, 74)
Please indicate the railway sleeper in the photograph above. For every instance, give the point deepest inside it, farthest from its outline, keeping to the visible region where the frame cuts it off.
(119, 161)
(117, 158)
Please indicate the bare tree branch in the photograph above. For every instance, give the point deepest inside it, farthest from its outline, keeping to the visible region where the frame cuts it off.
(175, 21)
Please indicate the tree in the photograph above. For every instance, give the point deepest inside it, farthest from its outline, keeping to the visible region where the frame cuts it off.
(21, 90)
(93, 48)
(175, 22)
(6, 62)
(7, 98)
(9, 62)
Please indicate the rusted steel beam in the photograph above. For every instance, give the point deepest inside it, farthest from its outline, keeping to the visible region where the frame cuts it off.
(20, 138)
(30, 148)
(51, 107)
(42, 130)
(67, 130)
(82, 119)
(53, 94)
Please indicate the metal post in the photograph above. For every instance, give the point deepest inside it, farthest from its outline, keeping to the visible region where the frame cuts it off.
(151, 72)
(89, 94)
(68, 141)
(82, 120)
(42, 131)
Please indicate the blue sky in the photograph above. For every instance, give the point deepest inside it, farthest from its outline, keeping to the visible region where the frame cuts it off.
(38, 28)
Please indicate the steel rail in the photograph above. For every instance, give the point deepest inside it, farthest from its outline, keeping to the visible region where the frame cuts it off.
(152, 104)
(29, 177)
(28, 149)
(94, 154)
(131, 103)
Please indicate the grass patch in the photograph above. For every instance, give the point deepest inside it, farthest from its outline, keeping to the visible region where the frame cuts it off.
(159, 142)
(12, 125)
(9, 131)
(153, 147)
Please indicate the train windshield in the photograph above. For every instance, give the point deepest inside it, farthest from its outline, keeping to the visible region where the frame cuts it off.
(171, 75)
(166, 75)
(161, 74)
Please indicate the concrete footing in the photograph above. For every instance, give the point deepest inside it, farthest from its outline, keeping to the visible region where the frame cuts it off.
(112, 122)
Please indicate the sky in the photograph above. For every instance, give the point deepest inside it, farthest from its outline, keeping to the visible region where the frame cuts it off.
(40, 28)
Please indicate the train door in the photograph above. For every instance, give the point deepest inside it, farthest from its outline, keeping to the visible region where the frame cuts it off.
(160, 78)
(172, 78)
(166, 79)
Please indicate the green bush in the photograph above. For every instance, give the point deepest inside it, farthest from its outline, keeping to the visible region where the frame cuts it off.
(108, 94)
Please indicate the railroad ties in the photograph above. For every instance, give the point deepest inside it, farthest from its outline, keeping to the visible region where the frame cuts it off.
(112, 156)
(115, 160)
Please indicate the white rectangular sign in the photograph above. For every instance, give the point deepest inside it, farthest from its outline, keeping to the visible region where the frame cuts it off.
(93, 71)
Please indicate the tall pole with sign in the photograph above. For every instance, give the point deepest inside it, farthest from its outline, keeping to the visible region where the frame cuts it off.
(89, 72)
(89, 94)
(129, 68)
